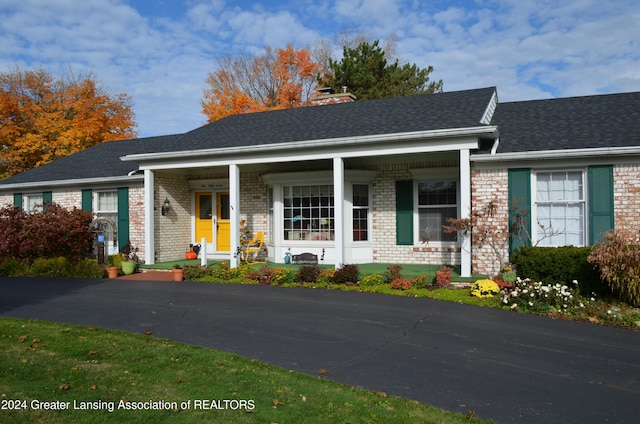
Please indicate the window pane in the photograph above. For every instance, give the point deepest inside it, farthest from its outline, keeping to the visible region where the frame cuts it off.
(308, 212)
(360, 195)
(560, 208)
(360, 224)
(437, 193)
(431, 221)
(107, 201)
(33, 202)
(206, 207)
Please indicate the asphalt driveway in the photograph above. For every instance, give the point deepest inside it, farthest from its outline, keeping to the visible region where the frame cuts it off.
(502, 365)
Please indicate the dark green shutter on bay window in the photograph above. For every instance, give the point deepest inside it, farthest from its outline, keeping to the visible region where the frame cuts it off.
(17, 200)
(519, 208)
(47, 198)
(123, 217)
(404, 212)
(87, 200)
(601, 216)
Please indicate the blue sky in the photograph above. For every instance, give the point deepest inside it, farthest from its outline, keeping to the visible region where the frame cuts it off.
(160, 51)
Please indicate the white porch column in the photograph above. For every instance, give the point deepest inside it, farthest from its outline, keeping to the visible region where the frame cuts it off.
(149, 218)
(234, 214)
(338, 210)
(465, 212)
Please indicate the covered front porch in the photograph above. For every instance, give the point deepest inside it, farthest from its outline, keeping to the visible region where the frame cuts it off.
(341, 201)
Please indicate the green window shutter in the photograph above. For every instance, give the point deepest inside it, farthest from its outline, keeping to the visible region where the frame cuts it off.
(17, 200)
(87, 200)
(601, 216)
(47, 198)
(519, 208)
(123, 217)
(404, 212)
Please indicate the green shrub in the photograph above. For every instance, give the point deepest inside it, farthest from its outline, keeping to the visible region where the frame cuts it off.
(284, 276)
(618, 260)
(326, 276)
(195, 272)
(11, 266)
(308, 274)
(371, 280)
(88, 268)
(115, 260)
(349, 273)
(563, 265)
(51, 267)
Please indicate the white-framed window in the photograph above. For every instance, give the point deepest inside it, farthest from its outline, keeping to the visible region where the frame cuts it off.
(437, 202)
(106, 222)
(33, 202)
(308, 212)
(360, 212)
(559, 208)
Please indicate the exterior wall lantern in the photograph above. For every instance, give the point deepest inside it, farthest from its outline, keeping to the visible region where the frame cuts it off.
(165, 207)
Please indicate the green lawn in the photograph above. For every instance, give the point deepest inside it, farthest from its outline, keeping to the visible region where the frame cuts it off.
(47, 365)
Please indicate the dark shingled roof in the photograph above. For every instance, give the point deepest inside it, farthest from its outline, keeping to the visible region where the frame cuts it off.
(101, 161)
(611, 120)
(456, 109)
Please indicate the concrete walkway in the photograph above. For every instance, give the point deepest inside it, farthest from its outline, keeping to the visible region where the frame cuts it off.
(502, 365)
(148, 275)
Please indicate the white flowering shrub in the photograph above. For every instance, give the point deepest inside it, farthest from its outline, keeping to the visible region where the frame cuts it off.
(539, 298)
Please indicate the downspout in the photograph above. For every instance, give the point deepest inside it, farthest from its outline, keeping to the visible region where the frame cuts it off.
(494, 148)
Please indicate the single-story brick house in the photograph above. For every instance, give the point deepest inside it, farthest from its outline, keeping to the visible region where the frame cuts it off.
(362, 181)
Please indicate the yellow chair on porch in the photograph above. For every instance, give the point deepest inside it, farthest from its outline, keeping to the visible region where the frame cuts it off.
(254, 247)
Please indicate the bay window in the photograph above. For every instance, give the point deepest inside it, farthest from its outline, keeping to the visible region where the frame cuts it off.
(308, 212)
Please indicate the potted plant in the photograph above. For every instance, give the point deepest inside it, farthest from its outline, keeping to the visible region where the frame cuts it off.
(178, 273)
(129, 259)
(113, 265)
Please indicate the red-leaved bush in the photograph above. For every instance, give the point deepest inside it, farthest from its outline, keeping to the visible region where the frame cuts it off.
(49, 233)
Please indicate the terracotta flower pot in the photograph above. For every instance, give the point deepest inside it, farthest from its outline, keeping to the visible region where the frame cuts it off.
(178, 274)
(112, 272)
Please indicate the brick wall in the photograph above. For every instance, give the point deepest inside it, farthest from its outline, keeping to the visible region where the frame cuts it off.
(253, 206)
(384, 222)
(67, 198)
(491, 185)
(136, 220)
(173, 231)
(626, 188)
(6, 200)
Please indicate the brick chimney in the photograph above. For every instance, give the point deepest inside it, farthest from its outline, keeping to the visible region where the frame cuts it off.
(326, 96)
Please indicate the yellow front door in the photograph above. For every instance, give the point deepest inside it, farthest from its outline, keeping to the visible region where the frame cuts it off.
(204, 216)
(223, 227)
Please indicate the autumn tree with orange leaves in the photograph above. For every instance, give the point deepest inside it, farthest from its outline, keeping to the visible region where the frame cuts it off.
(276, 79)
(43, 118)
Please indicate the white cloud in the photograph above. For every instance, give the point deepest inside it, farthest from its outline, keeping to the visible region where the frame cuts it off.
(528, 49)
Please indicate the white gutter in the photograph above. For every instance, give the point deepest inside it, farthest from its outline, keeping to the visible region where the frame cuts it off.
(556, 154)
(324, 143)
(77, 182)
